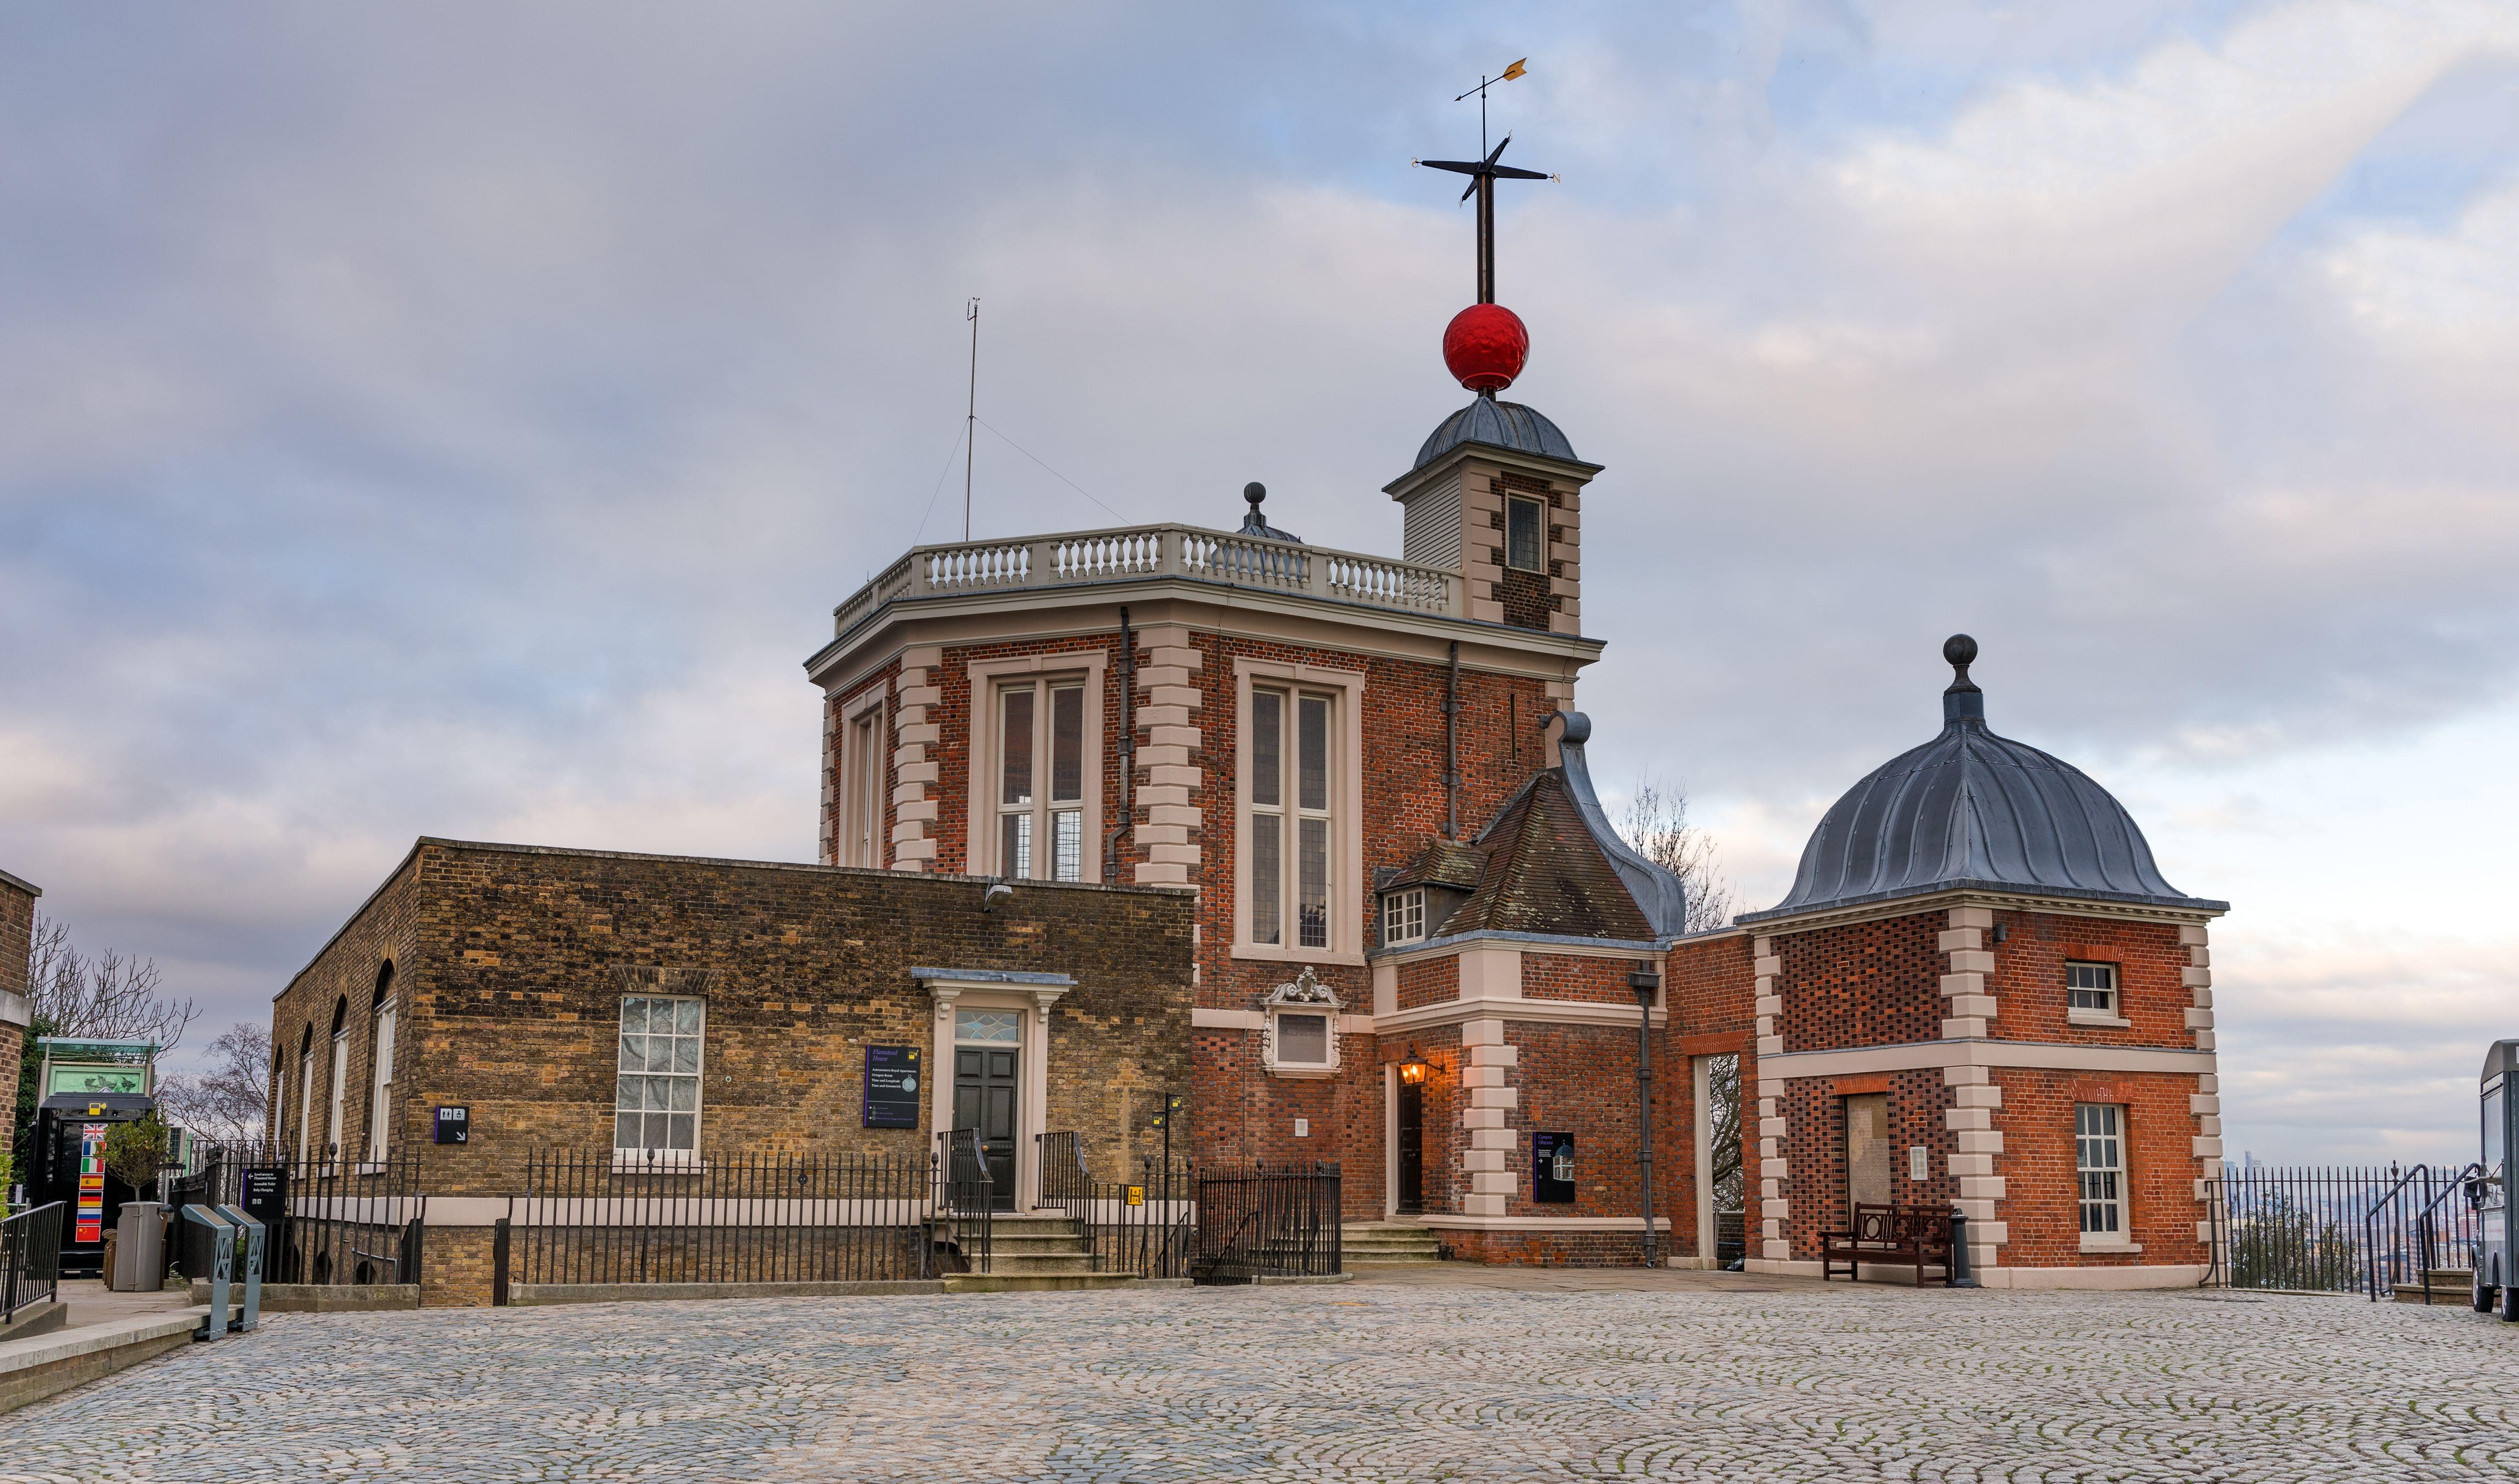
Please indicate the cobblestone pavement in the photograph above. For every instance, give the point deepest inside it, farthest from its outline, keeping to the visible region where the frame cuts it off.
(1369, 1381)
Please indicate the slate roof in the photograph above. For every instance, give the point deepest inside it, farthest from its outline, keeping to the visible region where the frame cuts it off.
(1504, 424)
(1971, 809)
(1549, 862)
(1454, 864)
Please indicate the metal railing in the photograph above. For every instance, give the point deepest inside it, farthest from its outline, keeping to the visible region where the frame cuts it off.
(2337, 1229)
(966, 1199)
(31, 1258)
(587, 1217)
(1157, 550)
(1147, 1228)
(1259, 1221)
(327, 1222)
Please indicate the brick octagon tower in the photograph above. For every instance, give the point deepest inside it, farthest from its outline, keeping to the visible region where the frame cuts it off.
(1981, 990)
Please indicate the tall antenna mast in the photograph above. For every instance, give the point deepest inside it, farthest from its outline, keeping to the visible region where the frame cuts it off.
(971, 416)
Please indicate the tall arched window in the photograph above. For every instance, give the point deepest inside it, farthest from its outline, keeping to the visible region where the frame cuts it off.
(305, 1093)
(341, 1077)
(381, 1059)
(276, 1128)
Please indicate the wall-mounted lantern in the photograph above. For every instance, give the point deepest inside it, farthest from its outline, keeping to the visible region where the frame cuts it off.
(1414, 1070)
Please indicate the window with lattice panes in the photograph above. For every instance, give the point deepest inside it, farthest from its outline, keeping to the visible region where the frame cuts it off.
(2091, 987)
(1041, 756)
(2099, 1164)
(1290, 818)
(1524, 532)
(1403, 916)
(656, 1094)
(862, 775)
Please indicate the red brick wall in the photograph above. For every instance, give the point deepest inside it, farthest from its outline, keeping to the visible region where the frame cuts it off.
(1402, 789)
(1428, 982)
(2028, 980)
(1710, 991)
(1552, 1249)
(2041, 1194)
(1577, 977)
(1581, 1079)
(1869, 983)
(835, 710)
(1815, 1144)
(953, 749)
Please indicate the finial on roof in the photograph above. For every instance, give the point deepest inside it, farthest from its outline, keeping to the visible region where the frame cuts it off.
(1962, 701)
(1256, 524)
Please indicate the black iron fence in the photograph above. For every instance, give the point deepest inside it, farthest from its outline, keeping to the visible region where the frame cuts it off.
(966, 1199)
(326, 1221)
(588, 1218)
(2340, 1230)
(591, 1217)
(1260, 1221)
(1147, 1226)
(31, 1258)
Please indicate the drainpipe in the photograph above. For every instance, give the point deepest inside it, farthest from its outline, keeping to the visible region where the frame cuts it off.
(1645, 981)
(1127, 752)
(1452, 748)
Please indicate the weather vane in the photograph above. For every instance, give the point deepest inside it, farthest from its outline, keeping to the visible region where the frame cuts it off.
(1483, 173)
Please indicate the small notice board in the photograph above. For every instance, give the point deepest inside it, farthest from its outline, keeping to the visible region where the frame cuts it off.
(892, 1087)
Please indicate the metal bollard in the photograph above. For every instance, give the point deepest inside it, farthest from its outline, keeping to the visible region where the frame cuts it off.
(250, 1230)
(1961, 1273)
(222, 1240)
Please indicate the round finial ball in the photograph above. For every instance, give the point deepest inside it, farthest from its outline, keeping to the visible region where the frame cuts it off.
(1255, 492)
(1486, 346)
(1960, 650)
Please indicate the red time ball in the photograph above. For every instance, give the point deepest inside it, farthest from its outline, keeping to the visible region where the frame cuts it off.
(1486, 346)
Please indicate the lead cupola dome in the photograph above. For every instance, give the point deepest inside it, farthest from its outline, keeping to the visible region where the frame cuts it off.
(1971, 809)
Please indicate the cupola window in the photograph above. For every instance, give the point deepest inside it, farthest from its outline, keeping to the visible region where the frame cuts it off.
(1523, 545)
(2091, 988)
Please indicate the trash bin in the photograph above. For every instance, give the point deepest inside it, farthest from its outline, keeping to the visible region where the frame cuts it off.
(138, 1261)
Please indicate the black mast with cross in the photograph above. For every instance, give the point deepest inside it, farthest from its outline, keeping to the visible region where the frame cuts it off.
(1483, 173)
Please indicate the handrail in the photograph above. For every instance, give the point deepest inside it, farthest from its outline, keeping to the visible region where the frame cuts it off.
(1225, 557)
(30, 1257)
(2371, 1233)
(2424, 1221)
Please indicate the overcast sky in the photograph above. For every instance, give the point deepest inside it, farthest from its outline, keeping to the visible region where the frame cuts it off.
(461, 420)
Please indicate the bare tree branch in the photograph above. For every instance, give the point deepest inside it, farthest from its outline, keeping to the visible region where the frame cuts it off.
(1656, 825)
(107, 998)
(224, 1104)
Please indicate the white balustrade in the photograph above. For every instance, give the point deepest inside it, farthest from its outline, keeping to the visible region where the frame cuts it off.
(1168, 551)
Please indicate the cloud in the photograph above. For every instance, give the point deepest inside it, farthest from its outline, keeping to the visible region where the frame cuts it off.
(464, 421)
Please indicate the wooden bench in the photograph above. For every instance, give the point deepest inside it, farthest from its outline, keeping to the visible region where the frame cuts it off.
(1903, 1235)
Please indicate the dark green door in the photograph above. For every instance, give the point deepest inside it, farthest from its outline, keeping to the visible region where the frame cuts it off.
(984, 1098)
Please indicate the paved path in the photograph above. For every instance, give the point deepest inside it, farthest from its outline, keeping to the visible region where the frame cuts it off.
(1369, 1381)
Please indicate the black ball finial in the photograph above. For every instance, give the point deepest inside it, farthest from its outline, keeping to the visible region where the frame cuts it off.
(1963, 703)
(1255, 492)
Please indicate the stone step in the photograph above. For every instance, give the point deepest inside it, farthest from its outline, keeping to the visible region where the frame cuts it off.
(1379, 1241)
(1036, 1283)
(1041, 1262)
(2447, 1285)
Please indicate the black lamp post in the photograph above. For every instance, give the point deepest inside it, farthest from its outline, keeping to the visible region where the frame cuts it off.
(1647, 984)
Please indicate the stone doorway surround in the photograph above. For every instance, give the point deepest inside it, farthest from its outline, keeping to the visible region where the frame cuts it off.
(1028, 994)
